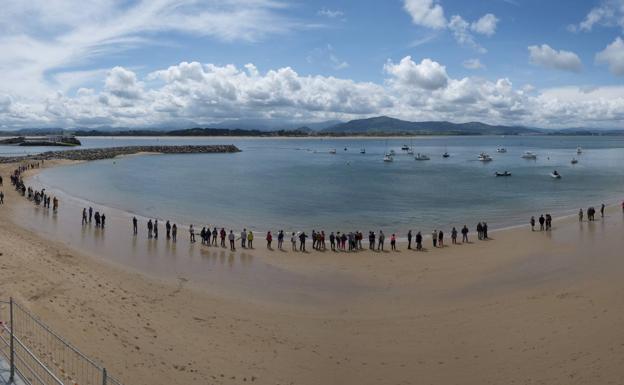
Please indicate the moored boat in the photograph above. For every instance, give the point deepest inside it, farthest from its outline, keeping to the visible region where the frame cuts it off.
(504, 173)
(484, 157)
(388, 158)
(420, 156)
(529, 155)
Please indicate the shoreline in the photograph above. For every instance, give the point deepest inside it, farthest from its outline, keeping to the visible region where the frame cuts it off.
(534, 307)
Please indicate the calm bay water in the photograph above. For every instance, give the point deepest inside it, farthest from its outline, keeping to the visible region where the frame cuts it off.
(297, 184)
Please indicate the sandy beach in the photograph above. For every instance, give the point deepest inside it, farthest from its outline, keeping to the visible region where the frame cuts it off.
(524, 307)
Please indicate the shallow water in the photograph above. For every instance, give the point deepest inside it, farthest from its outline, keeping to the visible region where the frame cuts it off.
(297, 184)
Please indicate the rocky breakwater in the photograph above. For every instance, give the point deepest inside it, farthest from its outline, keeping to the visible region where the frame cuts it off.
(111, 152)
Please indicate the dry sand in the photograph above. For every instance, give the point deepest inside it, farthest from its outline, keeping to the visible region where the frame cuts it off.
(522, 308)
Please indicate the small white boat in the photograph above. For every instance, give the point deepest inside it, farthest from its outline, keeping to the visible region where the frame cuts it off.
(501, 150)
(388, 158)
(405, 147)
(446, 155)
(362, 150)
(529, 155)
(420, 156)
(555, 175)
(579, 150)
(483, 157)
(332, 151)
(574, 161)
(505, 173)
(410, 152)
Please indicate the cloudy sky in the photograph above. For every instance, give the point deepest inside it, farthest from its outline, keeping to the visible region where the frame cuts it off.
(177, 63)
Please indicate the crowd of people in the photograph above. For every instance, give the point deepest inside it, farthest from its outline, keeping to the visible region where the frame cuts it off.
(39, 197)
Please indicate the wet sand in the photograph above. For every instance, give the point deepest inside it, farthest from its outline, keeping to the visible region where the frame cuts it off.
(521, 308)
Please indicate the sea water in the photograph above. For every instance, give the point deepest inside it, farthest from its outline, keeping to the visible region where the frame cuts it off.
(298, 184)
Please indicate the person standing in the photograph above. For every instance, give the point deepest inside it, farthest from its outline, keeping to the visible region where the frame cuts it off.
(580, 215)
(409, 240)
(103, 219)
(191, 234)
(454, 236)
(156, 229)
(434, 238)
(464, 234)
(441, 238)
(84, 216)
(380, 242)
(90, 213)
(532, 222)
(419, 241)
(332, 241)
(393, 242)
(293, 242)
(542, 220)
(280, 239)
(250, 238)
(302, 241)
(168, 229)
(485, 229)
(269, 239)
(134, 226)
(174, 233)
(232, 238)
(602, 209)
(243, 238)
(150, 228)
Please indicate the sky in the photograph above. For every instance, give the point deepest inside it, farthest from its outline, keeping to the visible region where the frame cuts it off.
(183, 63)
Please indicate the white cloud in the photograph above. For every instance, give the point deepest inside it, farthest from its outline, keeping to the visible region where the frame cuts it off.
(426, 13)
(609, 13)
(613, 56)
(430, 14)
(427, 74)
(473, 64)
(330, 13)
(43, 36)
(545, 56)
(486, 25)
(327, 57)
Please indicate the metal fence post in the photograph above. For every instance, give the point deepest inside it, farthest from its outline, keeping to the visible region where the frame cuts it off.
(104, 376)
(11, 347)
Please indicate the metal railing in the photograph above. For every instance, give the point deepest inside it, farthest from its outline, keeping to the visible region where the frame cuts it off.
(39, 356)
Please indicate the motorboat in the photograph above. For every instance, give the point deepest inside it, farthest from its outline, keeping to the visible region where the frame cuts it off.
(332, 151)
(579, 150)
(574, 161)
(446, 155)
(483, 157)
(405, 147)
(555, 175)
(388, 158)
(362, 150)
(501, 150)
(420, 156)
(505, 173)
(529, 155)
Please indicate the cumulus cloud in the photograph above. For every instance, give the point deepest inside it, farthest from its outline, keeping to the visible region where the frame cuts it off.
(613, 56)
(609, 13)
(193, 93)
(426, 13)
(430, 14)
(486, 25)
(473, 64)
(547, 57)
(427, 74)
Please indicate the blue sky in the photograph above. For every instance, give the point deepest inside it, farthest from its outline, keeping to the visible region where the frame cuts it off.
(179, 62)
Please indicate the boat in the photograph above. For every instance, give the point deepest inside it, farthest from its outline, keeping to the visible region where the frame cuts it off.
(529, 155)
(362, 150)
(579, 150)
(332, 151)
(501, 150)
(555, 175)
(505, 173)
(446, 155)
(345, 149)
(410, 152)
(483, 157)
(405, 147)
(420, 156)
(388, 158)
(574, 161)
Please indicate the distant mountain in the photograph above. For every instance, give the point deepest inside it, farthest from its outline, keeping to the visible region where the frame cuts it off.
(384, 125)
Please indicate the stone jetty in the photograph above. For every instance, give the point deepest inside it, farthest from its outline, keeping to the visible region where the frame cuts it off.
(111, 152)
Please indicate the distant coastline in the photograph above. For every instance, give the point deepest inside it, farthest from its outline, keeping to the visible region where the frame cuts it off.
(381, 126)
